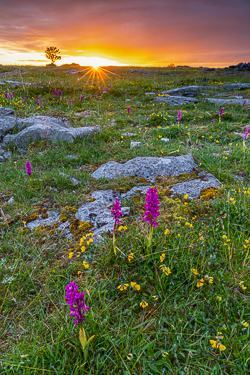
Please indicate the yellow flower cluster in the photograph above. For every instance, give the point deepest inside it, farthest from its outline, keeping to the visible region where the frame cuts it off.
(165, 270)
(242, 285)
(216, 344)
(131, 256)
(162, 257)
(143, 304)
(194, 270)
(122, 228)
(125, 286)
(244, 323)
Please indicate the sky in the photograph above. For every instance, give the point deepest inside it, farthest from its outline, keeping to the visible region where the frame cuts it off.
(131, 32)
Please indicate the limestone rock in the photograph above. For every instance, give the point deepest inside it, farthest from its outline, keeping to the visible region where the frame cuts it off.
(98, 212)
(6, 111)
(14, 83)
(137, 190)
(147, 167)
(185, 91)
(135, 144)
(73, 180)
(53, 217)
(7, 123)
(175, 100)
(228, 101)
(50, 132)
(193, 188)
(236, 86)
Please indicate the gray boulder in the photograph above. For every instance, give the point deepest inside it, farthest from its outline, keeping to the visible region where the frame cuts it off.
(8, 123)
(50, 132)
(147, 167)
(175, 100)
(6, 111)
(193, 188)
(228, 101)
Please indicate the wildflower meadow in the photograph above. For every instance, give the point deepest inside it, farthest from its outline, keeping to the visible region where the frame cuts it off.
(165, 289)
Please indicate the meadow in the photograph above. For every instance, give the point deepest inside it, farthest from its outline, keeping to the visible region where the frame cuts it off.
(183, 307)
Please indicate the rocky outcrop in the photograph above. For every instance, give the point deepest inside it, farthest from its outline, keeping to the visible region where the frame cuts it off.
(38, 128)
(147, 167)
(193, 188)
(241, 66)
(184, 91)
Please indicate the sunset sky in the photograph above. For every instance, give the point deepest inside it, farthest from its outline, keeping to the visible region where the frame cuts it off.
(134, 32)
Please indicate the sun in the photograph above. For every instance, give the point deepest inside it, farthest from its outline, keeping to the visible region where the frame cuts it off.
(95, 65)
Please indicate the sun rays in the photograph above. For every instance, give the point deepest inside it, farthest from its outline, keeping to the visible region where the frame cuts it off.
(97, 74)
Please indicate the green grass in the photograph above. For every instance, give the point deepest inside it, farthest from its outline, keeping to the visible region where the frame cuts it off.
(209, 234)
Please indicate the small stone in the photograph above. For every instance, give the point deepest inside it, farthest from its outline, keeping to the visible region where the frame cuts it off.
(7, 154)
(165, 140)
(128, 134)
(125, 211)
(135, 144)
(71, 156)
(1, 159)
(127, 100)
(2, 151)
(138, 102)
(11, 200)
(72, 179)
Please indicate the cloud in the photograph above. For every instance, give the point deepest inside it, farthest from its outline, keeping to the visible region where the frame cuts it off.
(135, 31)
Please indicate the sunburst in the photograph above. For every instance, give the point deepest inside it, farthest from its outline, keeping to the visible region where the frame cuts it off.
(96, 73)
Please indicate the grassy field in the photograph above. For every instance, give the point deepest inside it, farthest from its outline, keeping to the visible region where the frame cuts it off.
(194, 320)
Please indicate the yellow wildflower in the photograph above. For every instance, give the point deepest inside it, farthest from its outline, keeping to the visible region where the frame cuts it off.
(134, 285)
(213, 343)
(245, 323)
(165, 270)
(122, 287)
(143, 304)
(200, 283)
(71, 255)
(162, 257)
(166, 231)
(165, 354)
(222, 347)
(194, 270)
(83, 249)
(130, 257)
(86, 265)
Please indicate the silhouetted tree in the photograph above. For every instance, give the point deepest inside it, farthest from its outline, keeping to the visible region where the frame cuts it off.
(51, 53)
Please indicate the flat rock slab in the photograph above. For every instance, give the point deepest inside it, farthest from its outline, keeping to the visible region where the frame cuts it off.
(228, 101)
(53, 217)
(147, 167)
(98, 212)
(14, 83)
(193, 188)
(185, 91)
(175, 100)
(236, 86)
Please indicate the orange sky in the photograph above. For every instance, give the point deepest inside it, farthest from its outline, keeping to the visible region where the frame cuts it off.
(138, 32)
